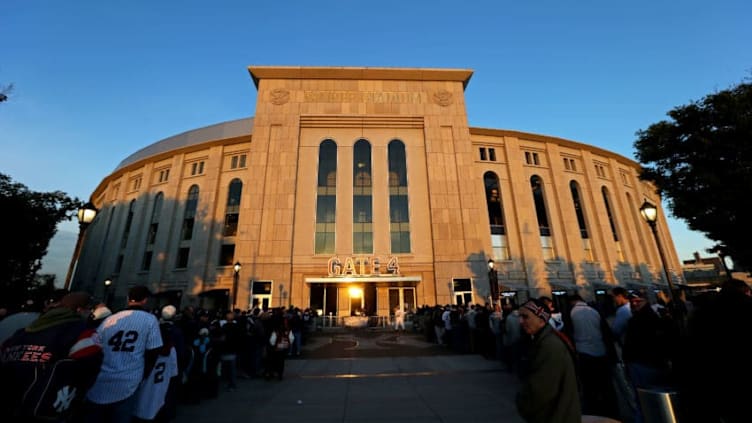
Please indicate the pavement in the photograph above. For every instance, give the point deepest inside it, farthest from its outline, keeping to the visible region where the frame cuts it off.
(369, 376)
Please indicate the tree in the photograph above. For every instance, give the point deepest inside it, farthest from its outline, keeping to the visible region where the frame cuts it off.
(701, 163)
(31, 221)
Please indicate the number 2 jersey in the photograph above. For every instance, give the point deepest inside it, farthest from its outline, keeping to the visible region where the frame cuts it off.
(125, 337)
(151, 395)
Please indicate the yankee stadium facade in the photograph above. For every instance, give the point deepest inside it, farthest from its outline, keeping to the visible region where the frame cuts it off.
(357, 190)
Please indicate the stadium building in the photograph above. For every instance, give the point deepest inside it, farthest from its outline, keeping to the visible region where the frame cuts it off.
(357, 190)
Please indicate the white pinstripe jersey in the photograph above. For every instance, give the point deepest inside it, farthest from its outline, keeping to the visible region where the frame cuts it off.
(125, 336)
(151, 394)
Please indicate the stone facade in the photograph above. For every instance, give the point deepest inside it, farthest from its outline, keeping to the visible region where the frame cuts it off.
(139, 235)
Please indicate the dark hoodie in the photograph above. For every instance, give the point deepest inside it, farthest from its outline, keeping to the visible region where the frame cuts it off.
(55, 357)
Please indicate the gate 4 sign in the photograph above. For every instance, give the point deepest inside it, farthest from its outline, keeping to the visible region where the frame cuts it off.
(362, 266)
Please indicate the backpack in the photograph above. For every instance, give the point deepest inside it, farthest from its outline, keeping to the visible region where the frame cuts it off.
(283, 341)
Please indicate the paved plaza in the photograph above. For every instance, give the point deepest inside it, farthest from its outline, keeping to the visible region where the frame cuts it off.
(369, 376)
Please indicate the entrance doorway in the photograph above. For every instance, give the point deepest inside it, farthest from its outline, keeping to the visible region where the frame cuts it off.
(403, 298)
(261, 294)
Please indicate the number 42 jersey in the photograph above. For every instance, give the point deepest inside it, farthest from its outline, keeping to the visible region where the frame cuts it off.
(125, 337)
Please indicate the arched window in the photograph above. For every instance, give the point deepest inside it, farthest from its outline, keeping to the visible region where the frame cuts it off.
(496, 216)
(362, 199)
(126, 234)
(326, 198)
(574, 187)
(612, 223)
(186, 232)
(232, 211)
(536, 184)
(151, 236)
(399, 216)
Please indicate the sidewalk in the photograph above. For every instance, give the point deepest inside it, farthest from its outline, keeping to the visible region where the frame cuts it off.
(428, 387)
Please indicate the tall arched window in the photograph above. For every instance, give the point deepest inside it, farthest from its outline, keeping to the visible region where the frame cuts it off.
(232, 212)
(612, 223)
(151, 236)
(574, 187)
(536, 183)
(399, 217)
(362, 199)
(326, 198)
(186, 232)
(496, 216)
(126, 234)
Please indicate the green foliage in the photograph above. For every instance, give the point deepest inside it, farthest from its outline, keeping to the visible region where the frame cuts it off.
(701, 162)
(30, 222)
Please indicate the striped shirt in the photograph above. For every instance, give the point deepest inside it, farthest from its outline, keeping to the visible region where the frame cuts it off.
(151, 395)
(125, 337)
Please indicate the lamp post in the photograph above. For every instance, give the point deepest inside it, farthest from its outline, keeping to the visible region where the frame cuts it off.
(236, 268)
(107, 283)
(650, 213)
(493, 281)
(86, 215)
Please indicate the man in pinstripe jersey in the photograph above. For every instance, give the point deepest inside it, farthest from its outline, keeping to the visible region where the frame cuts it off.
(131, 341)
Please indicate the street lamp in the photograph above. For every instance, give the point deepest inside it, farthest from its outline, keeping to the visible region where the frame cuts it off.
(235, 278)
(86, 215)
(493, 281)
(650, 213)
(107, 283)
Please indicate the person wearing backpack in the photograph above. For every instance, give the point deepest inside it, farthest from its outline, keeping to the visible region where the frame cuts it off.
(47, 367)
(279, 344)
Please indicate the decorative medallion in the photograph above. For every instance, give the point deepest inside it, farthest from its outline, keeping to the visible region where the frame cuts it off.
(443, 98)
(280, 96)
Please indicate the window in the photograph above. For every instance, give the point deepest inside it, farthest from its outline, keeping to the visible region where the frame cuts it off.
(532, 158)
(600, 170)
(237, 161)
(612, 223)
(189, 216)
(128, 223)
(182, 260)
(496, 216)
(326, 198)
(483, 155)
(232, 212)
(624, 178)
(136, 184)
(163, 175)
(542, 214)
(588, 250)
(570, 164)
(197, 168)
(362, 199)
(463, 291)
(492, 154)
(151, 235)
(399, 215)
(227, 254)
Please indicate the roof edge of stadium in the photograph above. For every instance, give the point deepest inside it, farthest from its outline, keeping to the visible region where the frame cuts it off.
(359, 73)
(222, 130)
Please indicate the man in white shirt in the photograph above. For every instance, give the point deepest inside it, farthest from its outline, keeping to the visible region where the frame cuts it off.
(130, 341)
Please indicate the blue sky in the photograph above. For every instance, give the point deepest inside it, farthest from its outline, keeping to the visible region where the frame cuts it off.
(95, 81)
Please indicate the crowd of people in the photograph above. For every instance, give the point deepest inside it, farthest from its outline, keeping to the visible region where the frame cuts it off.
(80, 362)
(583, 361)
(77, 361)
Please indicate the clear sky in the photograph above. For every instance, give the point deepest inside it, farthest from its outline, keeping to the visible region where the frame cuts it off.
(97, 80)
